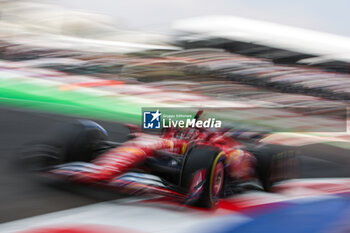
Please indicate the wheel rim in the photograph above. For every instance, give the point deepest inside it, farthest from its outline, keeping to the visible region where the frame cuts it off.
(197, 182)
(218, 180)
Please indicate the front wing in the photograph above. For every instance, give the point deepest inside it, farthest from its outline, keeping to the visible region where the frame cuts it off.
(134, 183)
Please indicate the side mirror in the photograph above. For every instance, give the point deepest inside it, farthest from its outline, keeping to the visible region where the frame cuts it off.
(198, 114)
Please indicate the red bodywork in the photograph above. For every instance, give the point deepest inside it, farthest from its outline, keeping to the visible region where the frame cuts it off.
(239, 164)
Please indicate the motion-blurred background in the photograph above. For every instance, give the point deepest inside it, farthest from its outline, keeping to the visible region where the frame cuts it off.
(269, 66)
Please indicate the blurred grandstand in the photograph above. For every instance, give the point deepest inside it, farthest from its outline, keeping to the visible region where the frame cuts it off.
(225, 62)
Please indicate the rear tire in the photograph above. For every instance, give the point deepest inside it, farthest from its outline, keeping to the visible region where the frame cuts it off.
(277, 167)
(211, 161)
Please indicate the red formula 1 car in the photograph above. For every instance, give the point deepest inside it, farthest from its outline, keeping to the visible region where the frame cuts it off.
(193, 166)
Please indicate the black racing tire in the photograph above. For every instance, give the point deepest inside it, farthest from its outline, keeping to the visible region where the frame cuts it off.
(83, 142)
(276, 165)
(67, 142)
(196, 159)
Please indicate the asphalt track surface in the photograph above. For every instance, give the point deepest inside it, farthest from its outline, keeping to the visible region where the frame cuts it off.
(22, 195)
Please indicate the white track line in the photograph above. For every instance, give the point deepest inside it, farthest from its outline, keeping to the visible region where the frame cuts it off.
(125, 213)
(157, 217)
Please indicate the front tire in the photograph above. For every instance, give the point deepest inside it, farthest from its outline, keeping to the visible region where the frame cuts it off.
(203, 169)
(78, 141)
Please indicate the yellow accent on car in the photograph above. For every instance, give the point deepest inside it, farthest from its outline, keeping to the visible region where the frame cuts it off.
(212, 175)
(183, 149)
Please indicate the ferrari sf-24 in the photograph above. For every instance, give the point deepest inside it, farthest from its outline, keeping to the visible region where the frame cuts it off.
(194, 166)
